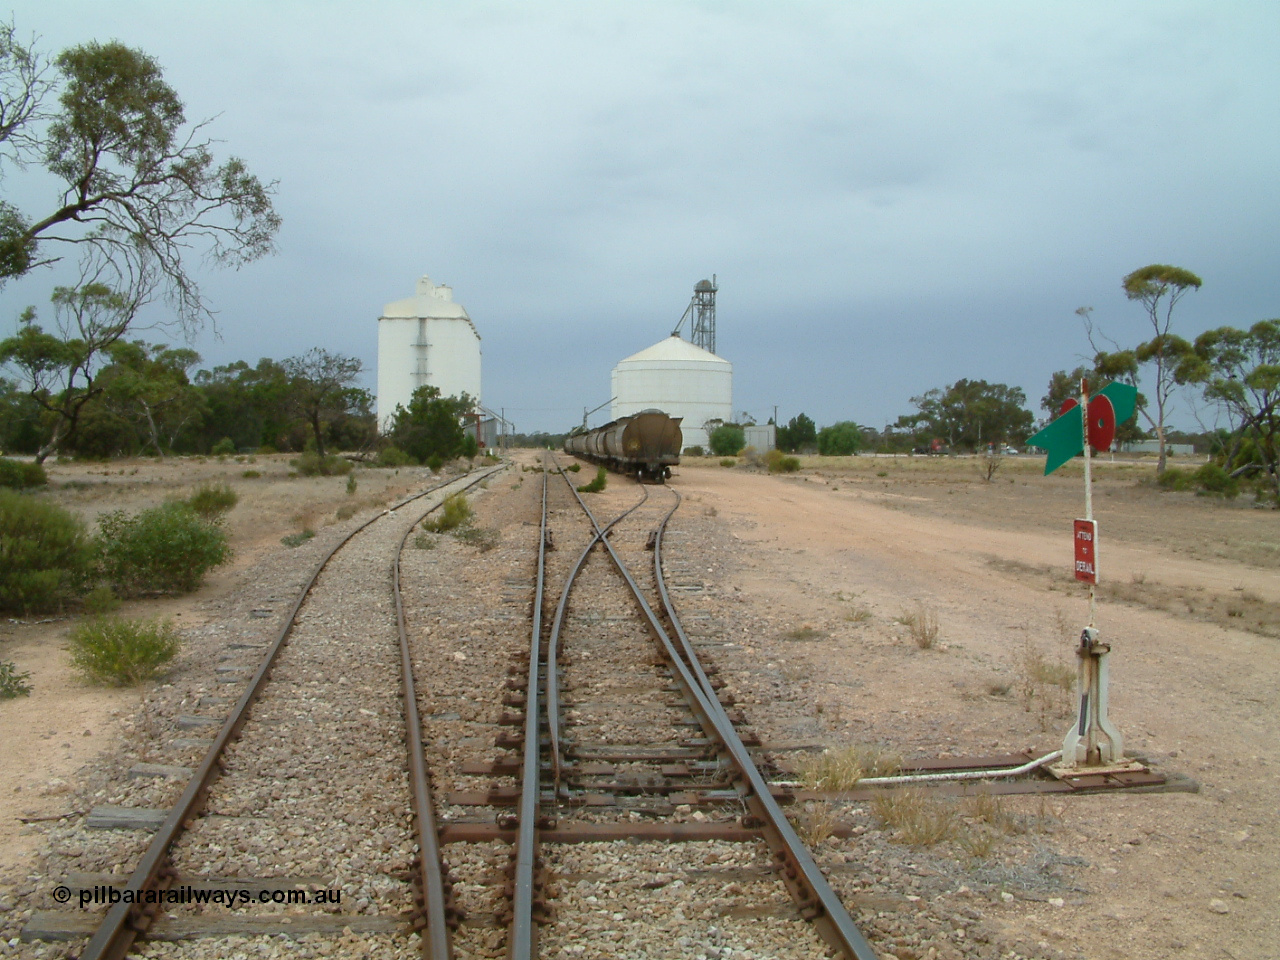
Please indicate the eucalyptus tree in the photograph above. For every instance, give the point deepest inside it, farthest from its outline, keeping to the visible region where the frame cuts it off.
(1159, 287)
(1240, 371)
(141, 192)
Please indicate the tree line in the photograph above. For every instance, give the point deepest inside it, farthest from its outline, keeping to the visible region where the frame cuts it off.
(1235, 370)
(140, 194)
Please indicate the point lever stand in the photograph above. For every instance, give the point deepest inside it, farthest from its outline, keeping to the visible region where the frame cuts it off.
(1093, 740)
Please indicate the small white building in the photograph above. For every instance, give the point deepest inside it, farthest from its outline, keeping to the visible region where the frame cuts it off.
(425, 339)
(680, 379)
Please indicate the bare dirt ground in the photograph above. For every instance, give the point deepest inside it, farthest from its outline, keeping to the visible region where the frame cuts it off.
(828, 567)
(843, 553)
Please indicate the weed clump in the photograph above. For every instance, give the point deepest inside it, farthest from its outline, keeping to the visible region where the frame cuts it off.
(119, 652)
(484, 538)
(819, 822)
(917, 818)
(455, 512)
(20, 475)
(12, 683)
(224, 447)
(596, 485)
(299, 538)
(841, 769)
(922, 624)
(1045, 686)
(166, 549)
(212, 500)
(45, 556)
(804, 633)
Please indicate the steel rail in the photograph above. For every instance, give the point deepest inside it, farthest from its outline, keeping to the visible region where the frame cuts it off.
(522, 934)
(801, 872)
(123, 922)
(553, 644)
(436, 942)
(817, 901)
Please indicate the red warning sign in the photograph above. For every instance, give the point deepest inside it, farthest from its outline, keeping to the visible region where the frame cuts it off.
(1086, 540)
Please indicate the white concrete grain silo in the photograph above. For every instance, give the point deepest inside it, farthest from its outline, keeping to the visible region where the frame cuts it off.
(680, 379)
(425, 339)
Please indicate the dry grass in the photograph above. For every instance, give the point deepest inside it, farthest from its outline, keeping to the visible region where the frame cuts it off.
(1241, 609)
(922, 625)
(805, 632)
(916, 817)
(841, 768)
(818, 822)
(1045, 686)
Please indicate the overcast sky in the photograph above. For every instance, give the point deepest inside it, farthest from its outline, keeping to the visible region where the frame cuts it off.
(893, 195)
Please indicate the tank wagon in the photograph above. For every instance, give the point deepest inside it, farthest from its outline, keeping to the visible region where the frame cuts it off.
(645, 445)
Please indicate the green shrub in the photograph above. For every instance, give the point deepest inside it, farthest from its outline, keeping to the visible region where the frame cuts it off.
(351, 485)
(694, 451)
(1212, 478)
(310, 465)
(266, 450)
(1174, 478)
(596, 485)
(212, 500)
(728, 462)
(454, 512)
(251, 474)
(395, 457)
(12, 683)
(19, 474)
(100, 600)
(778, 462)
(435, 462)
(224, 447)
(298, 539)
(165, 549)
(727, 440)
(45, 556)
(575, 467)
(122, 652)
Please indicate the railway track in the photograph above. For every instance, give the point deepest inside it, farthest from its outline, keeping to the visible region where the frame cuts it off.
(611, 743)
(620, 770)
(320, 716)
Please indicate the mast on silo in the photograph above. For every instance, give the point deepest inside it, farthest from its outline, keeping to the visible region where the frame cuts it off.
(702, 311)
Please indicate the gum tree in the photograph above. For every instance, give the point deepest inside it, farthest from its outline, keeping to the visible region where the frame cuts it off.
(141, 190)
(1240, 371)
(1159, 287)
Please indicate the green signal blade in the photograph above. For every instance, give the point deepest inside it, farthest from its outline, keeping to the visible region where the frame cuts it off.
(1061, 440)
(1064, 437)
(1124, 399)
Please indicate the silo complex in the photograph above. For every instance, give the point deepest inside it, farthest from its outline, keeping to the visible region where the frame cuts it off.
(425, 339)
(680, 379)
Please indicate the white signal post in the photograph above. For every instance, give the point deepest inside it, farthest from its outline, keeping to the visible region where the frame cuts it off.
(1092, 740)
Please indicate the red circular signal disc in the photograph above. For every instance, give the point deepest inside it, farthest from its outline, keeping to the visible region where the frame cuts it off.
(1102, 423)
(1068, 404)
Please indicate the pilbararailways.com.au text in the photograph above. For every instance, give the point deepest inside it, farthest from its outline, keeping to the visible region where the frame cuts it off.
(105, 895)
